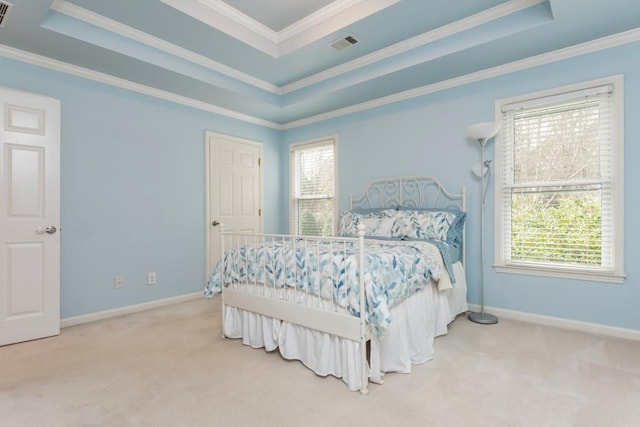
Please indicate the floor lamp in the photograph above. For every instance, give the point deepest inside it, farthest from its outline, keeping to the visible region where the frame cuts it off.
(482, 132)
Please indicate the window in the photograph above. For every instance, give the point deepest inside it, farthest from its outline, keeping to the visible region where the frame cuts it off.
(313, 188)
(559, 185)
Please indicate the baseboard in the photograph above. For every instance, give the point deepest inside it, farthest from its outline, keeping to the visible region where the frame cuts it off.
(121, 311)
(574, 325)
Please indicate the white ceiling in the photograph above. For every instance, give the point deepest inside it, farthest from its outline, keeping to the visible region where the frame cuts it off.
(269, 61)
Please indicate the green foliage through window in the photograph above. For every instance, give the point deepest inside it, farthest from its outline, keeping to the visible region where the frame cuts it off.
(559, 198)
(567, 231)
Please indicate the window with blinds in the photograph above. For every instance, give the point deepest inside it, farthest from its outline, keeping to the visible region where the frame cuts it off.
(559, 186)
(312, 211)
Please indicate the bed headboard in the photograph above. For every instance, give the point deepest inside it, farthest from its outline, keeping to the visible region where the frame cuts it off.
(409, 192)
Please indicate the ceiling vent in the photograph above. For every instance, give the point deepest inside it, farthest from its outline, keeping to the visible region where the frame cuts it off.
(344, 42)
(5, 8)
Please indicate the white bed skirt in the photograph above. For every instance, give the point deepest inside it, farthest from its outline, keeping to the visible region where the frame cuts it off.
(408, 339)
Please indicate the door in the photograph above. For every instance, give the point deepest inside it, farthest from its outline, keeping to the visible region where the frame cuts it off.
(29, 216)
(234, 189)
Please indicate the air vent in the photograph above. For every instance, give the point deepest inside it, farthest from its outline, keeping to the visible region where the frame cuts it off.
(344, 42)
(5, 8)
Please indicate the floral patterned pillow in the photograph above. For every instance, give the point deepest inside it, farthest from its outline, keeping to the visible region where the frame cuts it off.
(348, 224)
(378, 227)
(439, 224)
(423, 224)
(377, 222)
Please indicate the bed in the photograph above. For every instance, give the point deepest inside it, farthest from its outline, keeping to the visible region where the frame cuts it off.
(358, 305)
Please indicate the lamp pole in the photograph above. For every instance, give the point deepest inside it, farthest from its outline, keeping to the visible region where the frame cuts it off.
(482, 317)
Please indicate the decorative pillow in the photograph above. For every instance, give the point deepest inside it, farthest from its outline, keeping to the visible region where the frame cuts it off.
(348, 224)
(379, 220)
(378, 227)
(454, 235)
(438, 224)
(428, 223)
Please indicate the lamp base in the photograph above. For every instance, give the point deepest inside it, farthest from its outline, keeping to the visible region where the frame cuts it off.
(482, 318)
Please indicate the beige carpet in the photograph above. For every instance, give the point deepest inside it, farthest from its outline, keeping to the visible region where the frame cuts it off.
(170, 367)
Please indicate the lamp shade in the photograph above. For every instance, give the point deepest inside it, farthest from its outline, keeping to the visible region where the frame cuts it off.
(483, 131)
(478, 170)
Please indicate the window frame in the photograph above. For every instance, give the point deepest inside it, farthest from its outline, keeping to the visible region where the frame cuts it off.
(501, 262)
(293, 205)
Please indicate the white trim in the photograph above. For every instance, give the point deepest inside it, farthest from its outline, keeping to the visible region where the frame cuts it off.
(523, 64)
(217, 9)
(337, 16)
(218, 16)
(412, 43)
(121, 311)
(315, 142)
(330, 11)
(557, 322)
(92, 18)
(511, 67)
(310, 143)
(237, 18)
(616, 274)
(74, 70)
(592, 276)
(331, 18)
(556, 97)
(591, 87)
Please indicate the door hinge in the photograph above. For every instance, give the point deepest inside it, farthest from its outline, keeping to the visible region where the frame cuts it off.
(259, 212)
(259, 161)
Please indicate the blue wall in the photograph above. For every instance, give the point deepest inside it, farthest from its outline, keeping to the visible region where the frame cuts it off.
(427, 135)
(133, 182)
(133, 189)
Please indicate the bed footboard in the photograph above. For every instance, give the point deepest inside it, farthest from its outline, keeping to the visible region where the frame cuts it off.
(300, 280)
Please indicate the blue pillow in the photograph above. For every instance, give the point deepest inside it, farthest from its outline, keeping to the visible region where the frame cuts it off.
(454, 235)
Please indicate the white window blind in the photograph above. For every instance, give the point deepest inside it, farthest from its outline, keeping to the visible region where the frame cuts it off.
(557, 204)
(313, 188)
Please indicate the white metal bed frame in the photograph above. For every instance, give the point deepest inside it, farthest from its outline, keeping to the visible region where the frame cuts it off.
(408, 192)
(411, 192)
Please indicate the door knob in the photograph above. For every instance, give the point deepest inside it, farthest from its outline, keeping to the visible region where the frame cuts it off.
(214, 223)
(49, 229)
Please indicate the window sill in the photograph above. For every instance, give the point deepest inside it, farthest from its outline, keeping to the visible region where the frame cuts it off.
(560, 273)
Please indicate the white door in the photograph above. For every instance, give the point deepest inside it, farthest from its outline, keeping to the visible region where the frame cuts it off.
(29, 216)
(234, 188)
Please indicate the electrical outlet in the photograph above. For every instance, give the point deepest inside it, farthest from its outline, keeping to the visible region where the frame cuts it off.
(151, 278)
(119, 282)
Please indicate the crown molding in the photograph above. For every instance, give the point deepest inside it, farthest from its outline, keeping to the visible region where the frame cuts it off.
(614, 40)
(316, 18)
(103, 22)
(319, 17)
(448, 30)
(329, 20)
(331, 11)
(222, 8)
(221, 16)
(74, 70)
(77, 12)
(523, 64)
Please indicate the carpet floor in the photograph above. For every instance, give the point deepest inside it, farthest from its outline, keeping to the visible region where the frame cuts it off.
(170, 367)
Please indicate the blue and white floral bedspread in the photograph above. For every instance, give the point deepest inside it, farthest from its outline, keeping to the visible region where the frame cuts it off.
(392, 272)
